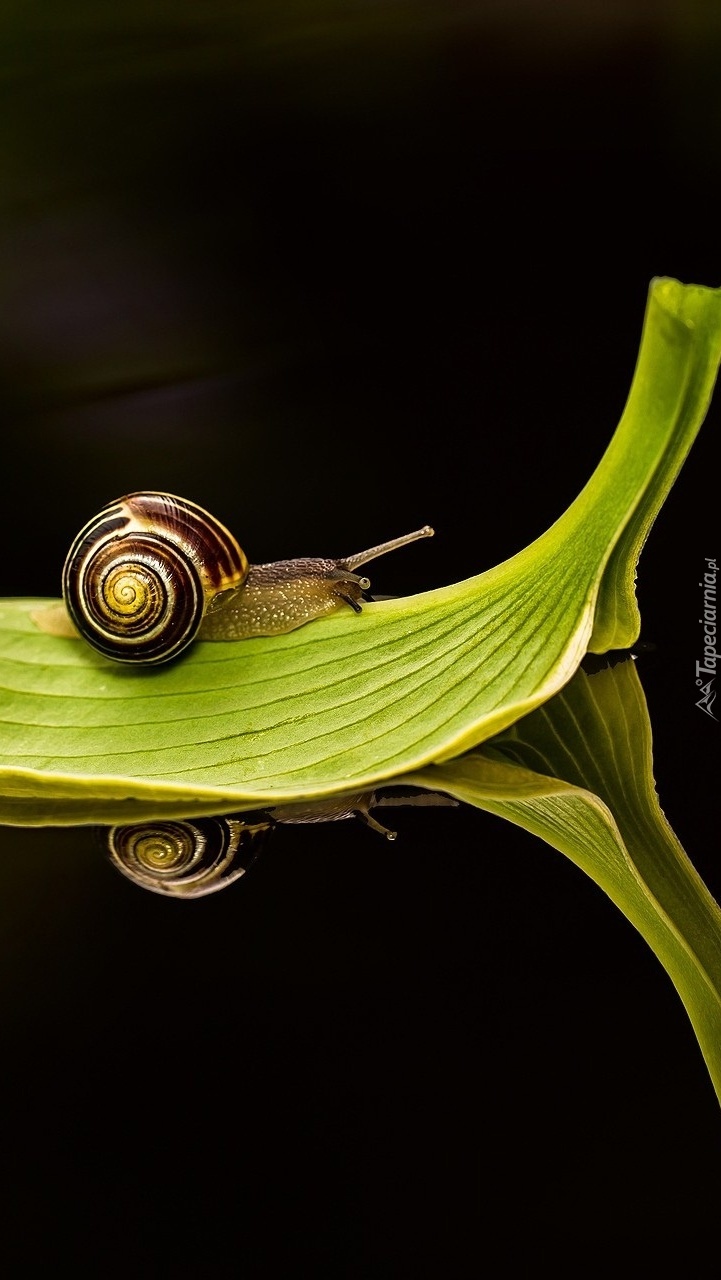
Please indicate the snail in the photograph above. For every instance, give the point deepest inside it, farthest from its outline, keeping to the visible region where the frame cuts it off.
(152, 571)
(192, 857)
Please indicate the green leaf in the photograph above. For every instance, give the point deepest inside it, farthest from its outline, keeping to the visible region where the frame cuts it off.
(679, 389)
(579, 774)
(347, 702)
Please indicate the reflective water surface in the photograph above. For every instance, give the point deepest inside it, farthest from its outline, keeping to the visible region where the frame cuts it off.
(379, 1006)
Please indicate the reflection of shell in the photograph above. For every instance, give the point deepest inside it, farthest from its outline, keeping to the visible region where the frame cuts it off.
(186, 859)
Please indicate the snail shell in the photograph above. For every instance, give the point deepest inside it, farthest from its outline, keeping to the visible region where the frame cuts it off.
(186, 859)
(139, 575)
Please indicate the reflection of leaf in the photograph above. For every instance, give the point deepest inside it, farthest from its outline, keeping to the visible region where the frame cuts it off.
(348, 702)
(578, 773)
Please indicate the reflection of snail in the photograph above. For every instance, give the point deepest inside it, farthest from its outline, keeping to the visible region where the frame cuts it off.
(194, 857)
(151, 571)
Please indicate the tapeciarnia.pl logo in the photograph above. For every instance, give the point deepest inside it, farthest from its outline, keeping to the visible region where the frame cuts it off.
(708, 622)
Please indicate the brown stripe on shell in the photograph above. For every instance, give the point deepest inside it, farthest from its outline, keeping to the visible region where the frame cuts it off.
(220, 560)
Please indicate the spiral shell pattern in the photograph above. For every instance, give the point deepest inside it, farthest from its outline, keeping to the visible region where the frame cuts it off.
(139, 575)
(186, 859)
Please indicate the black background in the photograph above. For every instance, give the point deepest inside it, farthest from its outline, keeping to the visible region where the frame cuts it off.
(334, 271)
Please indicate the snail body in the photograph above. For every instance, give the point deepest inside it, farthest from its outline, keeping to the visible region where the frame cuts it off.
(152, 571)
(286, 594)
